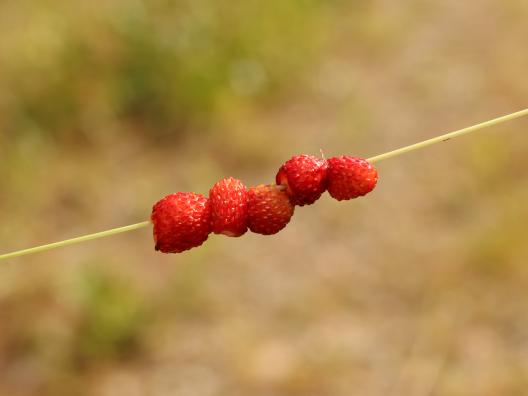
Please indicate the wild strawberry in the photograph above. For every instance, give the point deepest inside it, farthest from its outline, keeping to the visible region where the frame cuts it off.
(181, 222)
(269, 209)
(229, 214)
(350, 177)
(304, 177)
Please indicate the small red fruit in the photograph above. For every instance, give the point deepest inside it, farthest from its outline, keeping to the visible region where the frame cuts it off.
(304, 177)
(229, 214)
(350, 177)
(269, 209)
(181, 222)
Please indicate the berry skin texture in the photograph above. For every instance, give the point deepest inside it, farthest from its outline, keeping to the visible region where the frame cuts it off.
(229, 213)
(181, 221)
(269, 209)
(350, 177)
(304, 177)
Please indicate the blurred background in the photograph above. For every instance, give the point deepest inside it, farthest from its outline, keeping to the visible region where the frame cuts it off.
(419, 289)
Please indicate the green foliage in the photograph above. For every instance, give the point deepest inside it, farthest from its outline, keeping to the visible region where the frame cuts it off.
(111, 317)
(160, 69)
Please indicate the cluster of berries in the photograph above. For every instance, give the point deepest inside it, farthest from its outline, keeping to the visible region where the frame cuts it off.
(184, 220)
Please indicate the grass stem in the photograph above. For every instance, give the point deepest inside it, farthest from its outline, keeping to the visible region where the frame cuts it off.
(72, 241)
(377, 158)
(448, 136)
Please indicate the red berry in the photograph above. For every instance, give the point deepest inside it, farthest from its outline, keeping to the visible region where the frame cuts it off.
(304, 177)
(269, 209)
(350, 177)
(181, 222)
(228, 199)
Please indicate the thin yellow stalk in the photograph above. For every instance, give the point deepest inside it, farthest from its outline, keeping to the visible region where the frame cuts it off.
(390, 154)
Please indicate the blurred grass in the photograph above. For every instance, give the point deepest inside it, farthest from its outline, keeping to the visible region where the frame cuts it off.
(161, 66)
(419, 289)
